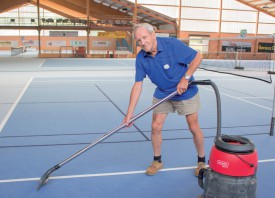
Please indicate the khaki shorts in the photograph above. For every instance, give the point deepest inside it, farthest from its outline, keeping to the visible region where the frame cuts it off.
(183, 107)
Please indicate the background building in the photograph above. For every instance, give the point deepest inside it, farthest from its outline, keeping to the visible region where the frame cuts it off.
(95, 28)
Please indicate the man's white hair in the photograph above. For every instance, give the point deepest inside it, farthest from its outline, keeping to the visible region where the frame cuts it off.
(147, 26)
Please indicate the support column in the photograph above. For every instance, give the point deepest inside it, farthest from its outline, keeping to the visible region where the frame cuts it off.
(88, 41)
(39, 41)
(39, 28)
(219, 32)
(134, 22)
(179, 19)
(88, 26)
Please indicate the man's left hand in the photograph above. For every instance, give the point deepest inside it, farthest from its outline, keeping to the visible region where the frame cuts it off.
(182, 86)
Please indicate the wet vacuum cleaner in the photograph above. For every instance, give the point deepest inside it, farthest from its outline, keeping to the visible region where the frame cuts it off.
(233, 164)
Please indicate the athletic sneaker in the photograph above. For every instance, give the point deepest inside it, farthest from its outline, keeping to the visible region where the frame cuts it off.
(200, 166)
(154, 168)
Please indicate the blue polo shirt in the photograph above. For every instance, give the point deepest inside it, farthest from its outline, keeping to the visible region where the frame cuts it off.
(167, 68)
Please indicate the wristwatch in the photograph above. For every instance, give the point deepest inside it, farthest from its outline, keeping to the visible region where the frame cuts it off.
(187, 77)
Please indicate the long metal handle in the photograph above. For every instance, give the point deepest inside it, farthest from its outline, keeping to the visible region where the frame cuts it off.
(117, 129)
(45, 177)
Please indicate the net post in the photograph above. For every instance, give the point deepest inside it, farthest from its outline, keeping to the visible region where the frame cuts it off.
(237, 61)
(271, 133)
(272, 57)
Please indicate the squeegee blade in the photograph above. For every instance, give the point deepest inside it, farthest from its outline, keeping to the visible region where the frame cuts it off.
(45, 178)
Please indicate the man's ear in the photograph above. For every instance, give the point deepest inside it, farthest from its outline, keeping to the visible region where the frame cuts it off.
(154, 34)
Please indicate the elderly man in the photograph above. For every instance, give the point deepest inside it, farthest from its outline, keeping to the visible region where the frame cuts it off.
(170, 65)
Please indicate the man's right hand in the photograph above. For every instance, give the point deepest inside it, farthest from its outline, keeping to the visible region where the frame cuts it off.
(127, 119)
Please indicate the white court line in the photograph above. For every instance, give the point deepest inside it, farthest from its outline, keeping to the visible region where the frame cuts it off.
(6, 118)
(255, 97)
(237, 98)
(96, 80)
(42, 63)
(110, 174)
(121, 62)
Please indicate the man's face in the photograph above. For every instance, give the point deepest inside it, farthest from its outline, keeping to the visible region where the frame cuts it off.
(145, 39)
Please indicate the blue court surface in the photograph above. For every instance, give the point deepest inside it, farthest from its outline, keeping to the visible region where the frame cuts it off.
(52, 108)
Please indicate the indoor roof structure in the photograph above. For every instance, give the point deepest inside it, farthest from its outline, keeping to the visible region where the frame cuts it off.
(265, 6)
(121, 12)
(116, 14)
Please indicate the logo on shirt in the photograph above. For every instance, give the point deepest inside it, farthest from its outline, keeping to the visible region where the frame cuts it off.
(166, 66)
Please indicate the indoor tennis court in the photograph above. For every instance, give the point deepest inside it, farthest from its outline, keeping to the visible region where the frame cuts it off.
(67, 69)
(52, 108)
